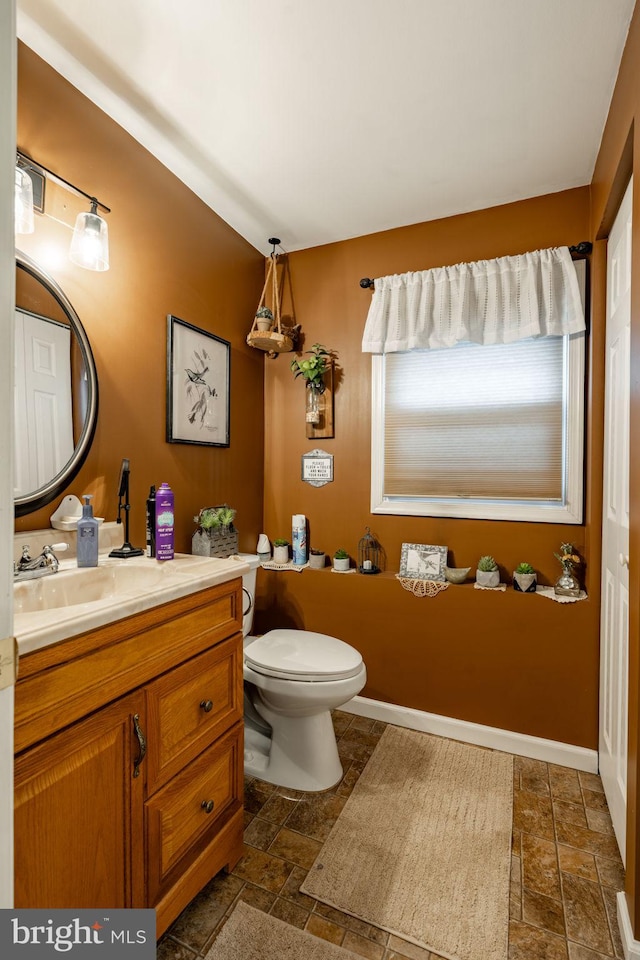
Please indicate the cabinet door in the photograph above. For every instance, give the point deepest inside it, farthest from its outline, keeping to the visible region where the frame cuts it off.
(78, 814)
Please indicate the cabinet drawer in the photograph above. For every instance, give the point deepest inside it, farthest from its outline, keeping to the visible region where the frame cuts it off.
(183, 817)
(190, 707)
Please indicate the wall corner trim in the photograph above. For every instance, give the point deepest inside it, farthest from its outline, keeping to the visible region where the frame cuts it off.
(631, 947)
(551, 751)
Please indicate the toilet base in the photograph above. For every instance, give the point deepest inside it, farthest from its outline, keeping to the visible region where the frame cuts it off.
(307, 760)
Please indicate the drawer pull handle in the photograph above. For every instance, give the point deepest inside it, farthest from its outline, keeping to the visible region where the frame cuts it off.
(207, 705)
(207, 806)
(142, 743)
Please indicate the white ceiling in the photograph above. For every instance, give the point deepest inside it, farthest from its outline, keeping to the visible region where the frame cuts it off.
(320, 120)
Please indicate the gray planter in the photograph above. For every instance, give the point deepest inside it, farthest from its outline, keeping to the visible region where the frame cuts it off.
(281, 554)
(525, 582)
(215, 543)
(488, 578)
(341, 563)
(317, 561)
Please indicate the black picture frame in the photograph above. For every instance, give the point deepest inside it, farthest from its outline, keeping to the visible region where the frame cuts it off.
(198, 385)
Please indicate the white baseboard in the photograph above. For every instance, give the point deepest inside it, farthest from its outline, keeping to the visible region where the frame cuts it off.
(552, 751)
(631, 947)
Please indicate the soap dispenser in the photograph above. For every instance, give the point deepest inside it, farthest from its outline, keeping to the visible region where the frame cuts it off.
(87, 551)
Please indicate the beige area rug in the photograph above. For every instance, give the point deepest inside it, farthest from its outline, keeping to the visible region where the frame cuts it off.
(422, 847)
(250, 934)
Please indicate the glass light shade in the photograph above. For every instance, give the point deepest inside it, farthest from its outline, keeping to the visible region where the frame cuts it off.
(90, 241)
(24, 219)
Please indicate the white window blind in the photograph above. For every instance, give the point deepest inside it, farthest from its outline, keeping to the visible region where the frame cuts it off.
(480, 422)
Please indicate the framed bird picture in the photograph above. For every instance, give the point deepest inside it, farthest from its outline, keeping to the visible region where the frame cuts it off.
(198, 368)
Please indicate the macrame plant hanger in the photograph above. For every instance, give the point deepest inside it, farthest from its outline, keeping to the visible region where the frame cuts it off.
(272, 341)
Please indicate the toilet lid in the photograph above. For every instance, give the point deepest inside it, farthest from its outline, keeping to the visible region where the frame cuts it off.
(302, 655)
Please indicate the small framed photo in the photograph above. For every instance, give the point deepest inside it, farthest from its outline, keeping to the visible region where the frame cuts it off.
(423, 561)
(198, 385)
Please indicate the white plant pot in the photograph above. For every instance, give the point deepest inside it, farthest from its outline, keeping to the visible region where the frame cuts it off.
(525, 582)
(281, 554)
(341, 563)
(488, 578)
(317, 561)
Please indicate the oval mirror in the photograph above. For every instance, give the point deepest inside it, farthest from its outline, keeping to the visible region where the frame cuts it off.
(56, 389)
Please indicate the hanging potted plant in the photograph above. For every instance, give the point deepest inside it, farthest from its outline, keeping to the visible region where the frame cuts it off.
(313, 370)
(525, 578)
(264, 319)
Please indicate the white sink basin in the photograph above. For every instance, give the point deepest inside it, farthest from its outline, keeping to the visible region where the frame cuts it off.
(74, 600)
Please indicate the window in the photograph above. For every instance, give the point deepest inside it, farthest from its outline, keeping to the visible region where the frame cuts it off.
(491, 432)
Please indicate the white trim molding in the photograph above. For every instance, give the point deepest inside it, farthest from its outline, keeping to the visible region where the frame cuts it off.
(551, 751)
(630, 946)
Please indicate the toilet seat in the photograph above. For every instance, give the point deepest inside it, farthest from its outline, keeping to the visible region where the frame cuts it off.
(302, 655)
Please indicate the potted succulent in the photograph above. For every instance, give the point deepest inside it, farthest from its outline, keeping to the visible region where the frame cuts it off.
(280, 551)
(264, 319)
(525, 578)
(487, 573)
(341, 560)
(216, 535)
(317, 559)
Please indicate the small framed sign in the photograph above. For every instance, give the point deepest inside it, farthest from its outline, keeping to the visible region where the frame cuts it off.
(422, 561)
(317, 467)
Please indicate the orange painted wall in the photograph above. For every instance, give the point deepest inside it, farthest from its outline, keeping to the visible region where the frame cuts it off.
(511, 661)
(169, 254)
(618, 158)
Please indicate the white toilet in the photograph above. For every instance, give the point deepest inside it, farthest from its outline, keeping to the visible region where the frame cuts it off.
(293, 679)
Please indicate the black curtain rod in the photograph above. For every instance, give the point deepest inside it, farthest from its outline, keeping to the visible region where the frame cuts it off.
(582, 249)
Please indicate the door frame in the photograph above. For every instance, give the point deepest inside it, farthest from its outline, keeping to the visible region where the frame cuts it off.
(8, 99)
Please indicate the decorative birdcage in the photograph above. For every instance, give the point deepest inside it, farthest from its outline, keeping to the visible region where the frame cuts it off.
(368, 554)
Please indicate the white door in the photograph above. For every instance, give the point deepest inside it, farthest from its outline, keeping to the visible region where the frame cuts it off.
(44, 426)
(614, 623)
(7, 299)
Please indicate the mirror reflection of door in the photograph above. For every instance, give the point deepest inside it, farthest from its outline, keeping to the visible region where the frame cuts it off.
(44, 418)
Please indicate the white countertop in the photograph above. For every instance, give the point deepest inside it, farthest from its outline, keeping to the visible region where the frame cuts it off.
(74, 600)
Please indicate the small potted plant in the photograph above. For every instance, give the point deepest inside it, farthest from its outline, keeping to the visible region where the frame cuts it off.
(316, 559)
(216, 535)
(280, 551)
(264, 319)
(524, 578)
(341, 560)
(487, 573)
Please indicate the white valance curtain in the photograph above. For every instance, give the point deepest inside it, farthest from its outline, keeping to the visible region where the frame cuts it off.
(533, 294)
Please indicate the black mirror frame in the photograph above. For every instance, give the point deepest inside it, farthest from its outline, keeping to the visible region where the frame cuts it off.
(45, 494)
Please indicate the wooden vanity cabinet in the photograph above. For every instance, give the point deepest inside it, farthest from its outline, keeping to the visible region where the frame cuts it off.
(129, 759)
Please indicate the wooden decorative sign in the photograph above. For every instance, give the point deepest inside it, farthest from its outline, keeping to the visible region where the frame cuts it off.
(317, 467)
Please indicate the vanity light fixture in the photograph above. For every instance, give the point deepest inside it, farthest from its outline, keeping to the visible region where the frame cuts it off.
(24, 218)
(90, 241)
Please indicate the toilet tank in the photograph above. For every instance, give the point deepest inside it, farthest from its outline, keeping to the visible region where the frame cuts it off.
(248, 591)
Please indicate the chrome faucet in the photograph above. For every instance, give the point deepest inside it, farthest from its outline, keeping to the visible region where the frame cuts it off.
(29, 568)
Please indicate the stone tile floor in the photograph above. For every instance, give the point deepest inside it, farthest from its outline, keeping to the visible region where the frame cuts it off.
(565, 867)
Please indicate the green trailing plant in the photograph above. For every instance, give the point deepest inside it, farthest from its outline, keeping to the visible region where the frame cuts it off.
(313, 369)
(264, 314)
(280, 542)
(341, 554)
(524, 568)
(487, 564)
